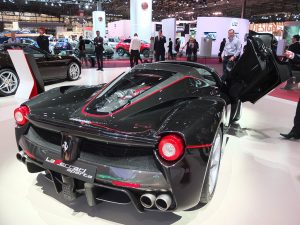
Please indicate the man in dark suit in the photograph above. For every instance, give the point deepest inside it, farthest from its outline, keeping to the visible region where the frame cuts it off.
(221, 49)
(159, 47)
(294, 47)
(98, 42)
(295, 132)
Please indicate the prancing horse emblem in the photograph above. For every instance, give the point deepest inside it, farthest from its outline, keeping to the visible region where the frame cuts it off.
(65, 146)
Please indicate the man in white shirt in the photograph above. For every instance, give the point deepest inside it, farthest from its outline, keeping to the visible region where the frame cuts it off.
(231, 52)
(13, 38)
(134, 50)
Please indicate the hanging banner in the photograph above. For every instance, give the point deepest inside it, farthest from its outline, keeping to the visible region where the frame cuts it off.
(141, 18)
(99, 23)
(275, 28)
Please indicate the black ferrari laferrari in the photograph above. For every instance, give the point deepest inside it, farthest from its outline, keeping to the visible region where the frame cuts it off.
(152, 137)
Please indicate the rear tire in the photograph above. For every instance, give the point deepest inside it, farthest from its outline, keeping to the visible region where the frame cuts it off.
(212, 172)
(76, 52)
(146, 53)
(120, 51)
(9, 82)
(73, 71)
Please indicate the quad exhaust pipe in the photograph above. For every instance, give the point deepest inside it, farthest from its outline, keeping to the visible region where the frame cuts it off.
(21, 157)
(148, 200)
(162, 202)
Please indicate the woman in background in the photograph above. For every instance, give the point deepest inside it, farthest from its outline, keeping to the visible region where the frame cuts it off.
(82, 55)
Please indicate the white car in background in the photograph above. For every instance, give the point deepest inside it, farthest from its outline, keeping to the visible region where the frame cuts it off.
(112, 42)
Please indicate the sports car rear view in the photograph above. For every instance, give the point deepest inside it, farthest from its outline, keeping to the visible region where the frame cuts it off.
(152, 137)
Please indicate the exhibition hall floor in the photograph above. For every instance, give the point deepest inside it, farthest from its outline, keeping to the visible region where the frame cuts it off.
(259, 180)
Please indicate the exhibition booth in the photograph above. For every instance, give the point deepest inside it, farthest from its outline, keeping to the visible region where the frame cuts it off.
(159, 142)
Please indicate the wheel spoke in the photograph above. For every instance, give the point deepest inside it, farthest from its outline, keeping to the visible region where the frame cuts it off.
(8, 88)
(2, 86)
(9, 76)
(2, 77)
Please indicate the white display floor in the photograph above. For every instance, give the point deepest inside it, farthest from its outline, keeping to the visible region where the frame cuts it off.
(259, 181)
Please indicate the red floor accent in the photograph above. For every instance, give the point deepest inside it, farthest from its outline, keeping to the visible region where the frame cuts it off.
(292, 95)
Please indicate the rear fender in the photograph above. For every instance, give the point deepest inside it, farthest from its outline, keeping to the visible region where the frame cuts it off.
(197, 120)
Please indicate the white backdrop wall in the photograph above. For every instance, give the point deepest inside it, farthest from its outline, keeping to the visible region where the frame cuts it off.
(219, 27)
(141, 18)
(119, 29)
(169, 30)
(99, 23)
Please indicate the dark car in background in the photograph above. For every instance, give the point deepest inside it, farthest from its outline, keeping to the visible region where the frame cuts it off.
(63, 46)
(123, 47)
(153, 136)
(52, 67)
(108, 51)
(28, 41)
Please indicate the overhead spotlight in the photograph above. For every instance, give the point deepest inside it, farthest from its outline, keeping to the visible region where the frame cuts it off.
(26, 2)
(52, 4)
(46, 3)
(86, 6)
(227, 1)
(59, 4)
(215, 3)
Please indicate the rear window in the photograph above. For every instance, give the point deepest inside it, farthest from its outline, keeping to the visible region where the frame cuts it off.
(128, 89)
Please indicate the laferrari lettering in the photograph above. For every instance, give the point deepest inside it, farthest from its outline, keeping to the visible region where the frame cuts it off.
(70, 168)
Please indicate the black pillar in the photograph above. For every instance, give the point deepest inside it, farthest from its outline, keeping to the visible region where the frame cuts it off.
(244, 2)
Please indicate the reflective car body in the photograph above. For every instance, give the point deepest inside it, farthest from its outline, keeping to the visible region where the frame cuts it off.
(51, 67)
(116, 141)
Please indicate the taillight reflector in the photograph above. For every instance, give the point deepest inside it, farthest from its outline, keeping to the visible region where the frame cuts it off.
(21, 114)
(171, 147)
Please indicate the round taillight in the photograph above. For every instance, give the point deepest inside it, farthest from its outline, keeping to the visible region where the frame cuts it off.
(171, 147)
(20, 115)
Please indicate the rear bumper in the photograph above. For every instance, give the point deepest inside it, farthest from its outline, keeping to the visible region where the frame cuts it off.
(130, 179)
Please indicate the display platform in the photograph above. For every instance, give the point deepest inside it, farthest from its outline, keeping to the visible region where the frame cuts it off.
(259, 179)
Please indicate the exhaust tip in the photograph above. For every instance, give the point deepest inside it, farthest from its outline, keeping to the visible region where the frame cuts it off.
(19, 156)
(147, 200)
(23, 159)
(163, 202)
